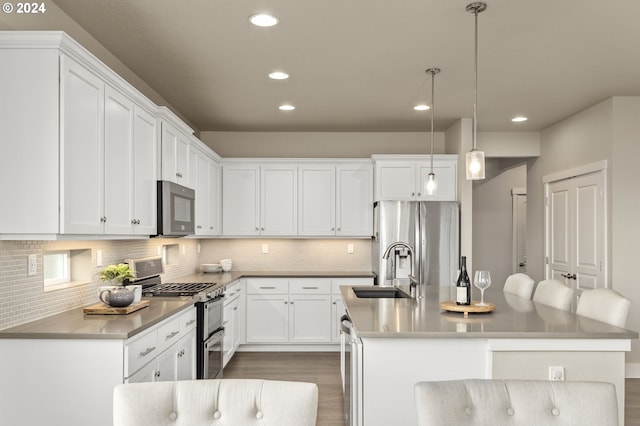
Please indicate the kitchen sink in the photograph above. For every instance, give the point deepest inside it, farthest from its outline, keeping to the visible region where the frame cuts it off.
(380, 293)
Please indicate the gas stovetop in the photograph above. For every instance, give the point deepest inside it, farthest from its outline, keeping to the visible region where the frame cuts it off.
(204, 291)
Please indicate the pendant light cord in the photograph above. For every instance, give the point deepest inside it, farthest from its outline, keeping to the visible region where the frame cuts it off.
(475, 90)
(433, 111)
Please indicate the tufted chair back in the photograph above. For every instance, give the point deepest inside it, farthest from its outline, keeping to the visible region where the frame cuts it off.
(519, 284)
(476, 402)
(229, 402)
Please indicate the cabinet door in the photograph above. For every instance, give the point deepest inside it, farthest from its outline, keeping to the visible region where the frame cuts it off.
(144, 375)
(279, 200)
(240, 200)
(214, 198)
(118, 163)
(310, 318)
(229, 328)
(186, 357)
(169, 141)
(82, 150)
(317, 200)
(182, 160)
(201, 171)
(145, 151)
(354, 206)
(167, 365)
(395, 181)
(446, 174)
(267, 318)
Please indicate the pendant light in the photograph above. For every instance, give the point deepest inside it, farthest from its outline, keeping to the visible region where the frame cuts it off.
(430, 184)
(475, 158)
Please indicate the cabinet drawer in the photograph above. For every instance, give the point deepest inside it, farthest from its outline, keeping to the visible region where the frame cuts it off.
(267, 286)
(187, 321)
(310, 286)
(169, 333)
(233, 289)
(337, 282)
(140, 351)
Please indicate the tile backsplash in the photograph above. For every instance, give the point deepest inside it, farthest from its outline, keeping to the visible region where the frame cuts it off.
(22, 298)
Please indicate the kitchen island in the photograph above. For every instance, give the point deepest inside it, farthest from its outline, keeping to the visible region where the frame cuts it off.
(403, 341)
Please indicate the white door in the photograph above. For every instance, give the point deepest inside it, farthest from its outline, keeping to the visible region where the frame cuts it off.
(279, 201)
(267, 318)
(241, 200)
(169, 148)
(118, 163)
(82, 150)
(145, 149)
(310, 318)
(395, 181)
(202, 179)
(576, 250)
(354, 200)
(317, 199)
(519, 248)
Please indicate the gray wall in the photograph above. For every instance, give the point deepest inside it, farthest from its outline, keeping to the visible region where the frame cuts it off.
(492, 217)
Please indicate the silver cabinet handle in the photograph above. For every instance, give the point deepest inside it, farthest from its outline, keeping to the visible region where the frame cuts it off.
(257, 229)
(147, 351)
(263, 228)
(191, 322)
(267, 288)
(199, 227)
(179, 174)
(157, 374)
(335, 302)
(309, 288)
(172, 334)
(235, 308)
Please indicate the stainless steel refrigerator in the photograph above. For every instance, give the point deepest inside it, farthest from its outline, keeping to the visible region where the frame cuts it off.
(430, 228)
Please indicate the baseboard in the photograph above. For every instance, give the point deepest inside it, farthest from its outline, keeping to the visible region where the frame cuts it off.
(632, 370)
(288, 348)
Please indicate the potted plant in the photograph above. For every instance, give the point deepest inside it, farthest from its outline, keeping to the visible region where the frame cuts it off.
(115, 275)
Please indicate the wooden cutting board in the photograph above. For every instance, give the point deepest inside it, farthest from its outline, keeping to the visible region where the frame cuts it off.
(102, 309)
(451, 306)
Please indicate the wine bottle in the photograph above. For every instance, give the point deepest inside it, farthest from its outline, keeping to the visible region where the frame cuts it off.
(463, 285)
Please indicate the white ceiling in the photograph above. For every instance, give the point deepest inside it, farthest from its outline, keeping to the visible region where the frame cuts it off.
(359, 65)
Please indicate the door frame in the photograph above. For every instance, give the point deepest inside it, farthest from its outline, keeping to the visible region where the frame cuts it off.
(598, 166)
(515, 194)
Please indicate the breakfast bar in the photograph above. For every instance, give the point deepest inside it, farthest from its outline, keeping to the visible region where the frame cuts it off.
(399, 341)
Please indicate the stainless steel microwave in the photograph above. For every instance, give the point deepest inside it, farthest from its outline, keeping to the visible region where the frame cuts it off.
(176, 210)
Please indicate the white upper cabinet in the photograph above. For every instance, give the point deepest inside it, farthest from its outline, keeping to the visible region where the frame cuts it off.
(84, 142)
(205, 179)
(402, 177)
(82, 150)
(259, 199)
(336, 199)
(175, 149)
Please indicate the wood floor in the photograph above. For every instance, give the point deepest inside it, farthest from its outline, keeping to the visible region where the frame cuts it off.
(323, 368)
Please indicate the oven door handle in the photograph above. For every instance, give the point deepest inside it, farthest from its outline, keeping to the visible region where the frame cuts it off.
(214, 338)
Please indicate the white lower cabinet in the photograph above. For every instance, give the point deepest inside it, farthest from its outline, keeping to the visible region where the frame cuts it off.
(295, 310)
(166, 351)
(233, 321)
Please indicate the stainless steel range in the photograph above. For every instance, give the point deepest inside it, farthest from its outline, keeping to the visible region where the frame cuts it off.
(208, 298)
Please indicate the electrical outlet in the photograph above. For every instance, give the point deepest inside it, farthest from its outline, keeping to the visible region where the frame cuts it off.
(32, 265)
(350, 248)
(184, 248)
(98, 257)
(265, 248)
(556, 374)
(199, 247)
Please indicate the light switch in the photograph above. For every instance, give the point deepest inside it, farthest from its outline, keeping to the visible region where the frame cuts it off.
(350, 248)
(265, 248)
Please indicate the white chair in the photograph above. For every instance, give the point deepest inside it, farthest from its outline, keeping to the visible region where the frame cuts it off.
(519, 284)
(553, 293)
(516, 403)
(237, 402)
(605, 305)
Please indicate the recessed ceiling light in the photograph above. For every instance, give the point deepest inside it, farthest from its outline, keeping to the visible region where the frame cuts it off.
(422, 107)
(286, 107)
(263, 20)
(519, 119)
(278, 75)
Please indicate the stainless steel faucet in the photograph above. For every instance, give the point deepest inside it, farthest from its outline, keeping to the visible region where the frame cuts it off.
(413, 283)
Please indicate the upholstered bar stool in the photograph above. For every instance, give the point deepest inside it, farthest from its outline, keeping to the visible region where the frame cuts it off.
(553, 293)
(519, 284)
(605, 305)
(237, 402)
(477, 402)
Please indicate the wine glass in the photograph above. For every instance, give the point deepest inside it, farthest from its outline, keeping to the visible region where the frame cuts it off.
(482, 280)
